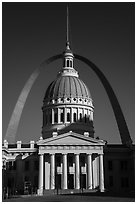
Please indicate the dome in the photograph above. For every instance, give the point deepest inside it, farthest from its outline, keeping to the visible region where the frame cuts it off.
(67, 104)
(67, 87)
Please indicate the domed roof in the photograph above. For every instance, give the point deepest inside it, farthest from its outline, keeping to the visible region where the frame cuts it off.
(67, 87)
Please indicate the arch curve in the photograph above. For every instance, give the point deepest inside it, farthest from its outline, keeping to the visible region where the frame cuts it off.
(16, 115)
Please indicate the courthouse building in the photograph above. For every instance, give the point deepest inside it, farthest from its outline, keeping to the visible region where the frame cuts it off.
(67, 157)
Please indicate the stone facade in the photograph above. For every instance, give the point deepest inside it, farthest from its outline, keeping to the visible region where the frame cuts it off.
(73, 166)
(67, 157)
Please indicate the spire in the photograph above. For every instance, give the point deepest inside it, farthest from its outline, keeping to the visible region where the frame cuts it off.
(67, 34)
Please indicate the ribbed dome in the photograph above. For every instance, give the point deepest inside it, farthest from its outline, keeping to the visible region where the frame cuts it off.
(67, 87)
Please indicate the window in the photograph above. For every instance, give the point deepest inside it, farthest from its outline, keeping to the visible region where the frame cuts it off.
(67, 63)
(36, 165)
(123, 165)
(70, 63)
(62, 117)
(85, 118)
(26, 165)
(110, 165)
(55, 116)
(68, 117)
(74, 117)
(110, 180)
(80, 117)
(124, 182)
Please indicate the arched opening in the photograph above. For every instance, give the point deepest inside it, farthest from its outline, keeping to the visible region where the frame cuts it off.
(85, 118)
(80, 117)
(68, 117)
(67, 63)
(70, 63)
(62, 117)
(74, 117)
(55, 116)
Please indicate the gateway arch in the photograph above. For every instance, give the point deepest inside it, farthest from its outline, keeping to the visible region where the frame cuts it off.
(16, 115)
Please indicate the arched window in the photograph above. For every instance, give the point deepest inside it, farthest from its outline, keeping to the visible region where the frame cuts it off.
(62, 116)
(67, 63)
(80, 117)
(68, 117)
(85, 118)
(55, 116)
(70, 63)
(74, 117)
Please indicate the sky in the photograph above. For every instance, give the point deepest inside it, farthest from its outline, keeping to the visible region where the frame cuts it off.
(102, 32)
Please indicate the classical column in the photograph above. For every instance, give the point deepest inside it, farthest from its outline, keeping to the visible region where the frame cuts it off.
(65, 184)
(65, 115)
(52, 171)
(53, 116)
(41, 166)
(77, 172)
(101, 173)
(89, 176)
(71, 114)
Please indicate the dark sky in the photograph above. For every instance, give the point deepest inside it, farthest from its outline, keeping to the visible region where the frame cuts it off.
(101, 32)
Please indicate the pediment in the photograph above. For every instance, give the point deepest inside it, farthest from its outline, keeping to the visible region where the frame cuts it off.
(71, 139)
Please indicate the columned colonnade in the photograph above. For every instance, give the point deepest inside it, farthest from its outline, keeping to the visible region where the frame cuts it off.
(90, 172)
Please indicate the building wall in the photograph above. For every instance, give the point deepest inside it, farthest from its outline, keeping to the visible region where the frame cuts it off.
(119, 171)
(21, 166)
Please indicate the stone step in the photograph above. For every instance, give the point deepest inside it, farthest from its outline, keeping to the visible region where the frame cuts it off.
(68, 191)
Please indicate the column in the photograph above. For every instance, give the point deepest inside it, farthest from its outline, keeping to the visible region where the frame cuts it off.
(41, 166)
(101, 173)
(71, 115)
(89, 175)
(52, 171)
(53, 116)
(65, 115)
(65, 184)
(58, 112)
(77, 172)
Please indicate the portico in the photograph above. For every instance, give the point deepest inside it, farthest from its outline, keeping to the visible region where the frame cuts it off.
(64, 160)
